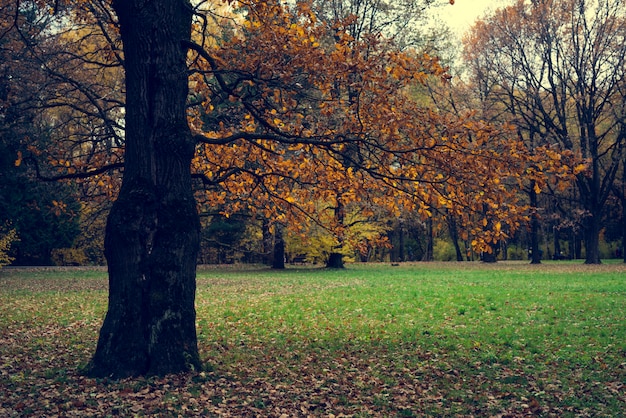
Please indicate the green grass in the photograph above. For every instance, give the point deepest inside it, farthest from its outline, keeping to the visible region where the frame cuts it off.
(436, 339)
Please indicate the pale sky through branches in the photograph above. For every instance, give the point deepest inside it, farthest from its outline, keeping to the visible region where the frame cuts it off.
(462, 15)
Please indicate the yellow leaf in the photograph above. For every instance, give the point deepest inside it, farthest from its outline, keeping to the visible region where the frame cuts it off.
(537, 188)
(18, 162)
(580, 168)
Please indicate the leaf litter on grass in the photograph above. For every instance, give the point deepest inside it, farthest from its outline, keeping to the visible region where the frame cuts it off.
(433, 340)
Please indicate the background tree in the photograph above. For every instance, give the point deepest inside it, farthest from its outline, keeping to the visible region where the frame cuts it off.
(359, 21)
(402, 21)
(44, 216)
(557, 68)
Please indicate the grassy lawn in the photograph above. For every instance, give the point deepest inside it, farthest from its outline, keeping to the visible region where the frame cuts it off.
(435, 339)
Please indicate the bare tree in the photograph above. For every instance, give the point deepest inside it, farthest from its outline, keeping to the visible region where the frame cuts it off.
(557, 69)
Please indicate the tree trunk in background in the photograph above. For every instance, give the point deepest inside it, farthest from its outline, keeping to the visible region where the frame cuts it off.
(335, 261)
(335, 258)
(268, 243)
(152, 234)
(491, 257)
(623, 202)
(535, 251)
(454, 235)
(279, 249)
(430, 247)
(592, 229)
(620, 192)
(401, 246)
(558, 252)
(594, 204)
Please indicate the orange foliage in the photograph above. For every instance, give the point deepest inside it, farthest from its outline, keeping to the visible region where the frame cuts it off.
(295, 119)
(295, 112)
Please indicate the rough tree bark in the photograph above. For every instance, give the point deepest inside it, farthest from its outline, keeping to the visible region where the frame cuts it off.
(152, 234)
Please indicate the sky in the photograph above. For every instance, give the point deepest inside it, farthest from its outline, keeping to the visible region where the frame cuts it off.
(464, 13)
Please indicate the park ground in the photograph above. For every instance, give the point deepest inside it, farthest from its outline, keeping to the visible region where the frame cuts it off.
(424, 339)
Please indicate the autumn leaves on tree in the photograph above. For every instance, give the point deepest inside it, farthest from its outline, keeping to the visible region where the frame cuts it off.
(328, 125)
(323, 107)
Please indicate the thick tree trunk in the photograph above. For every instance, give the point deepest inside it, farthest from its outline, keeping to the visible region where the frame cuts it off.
(152, 235)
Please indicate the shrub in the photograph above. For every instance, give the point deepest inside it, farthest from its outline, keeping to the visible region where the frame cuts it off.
(517, 252)
(5, 245)
(443, 250)
(608, 249)
(69, 257)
